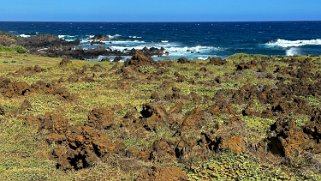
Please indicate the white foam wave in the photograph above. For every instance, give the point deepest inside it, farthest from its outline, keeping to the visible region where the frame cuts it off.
(83, 41)
(293, 43)
(202, 58)
(120, 45)
(135, 37)
(24, 36)
(114, 36)
(124, 42)
(191, 50)
(293, 51)
(67, 37)
(89, 38)
(172, 49)
(123, 48)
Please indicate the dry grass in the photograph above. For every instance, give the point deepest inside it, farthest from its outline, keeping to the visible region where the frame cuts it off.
(25, 156)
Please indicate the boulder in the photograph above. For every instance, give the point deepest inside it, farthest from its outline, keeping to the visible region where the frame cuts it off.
(139, 59)
(183, 60)
(216, 61)
(100, 118)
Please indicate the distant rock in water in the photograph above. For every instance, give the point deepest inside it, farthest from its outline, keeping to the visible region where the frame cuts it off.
(154, 51)
(99, 39)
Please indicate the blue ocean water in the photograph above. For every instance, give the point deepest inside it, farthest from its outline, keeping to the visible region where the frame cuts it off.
(193, 40)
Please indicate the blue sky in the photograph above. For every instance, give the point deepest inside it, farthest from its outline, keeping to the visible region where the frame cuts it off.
(159, 10)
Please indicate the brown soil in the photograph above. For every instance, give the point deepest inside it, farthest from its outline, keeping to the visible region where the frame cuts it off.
(163, 152)
(139, 59)
(177, 127)
(162, 174)
(153, 116)
(287, 140)
(76, 147)
(27, 71)
(53, 88)
(193, 119)
(100, 119)
(233, 143)
(10, 89)
(81, 77)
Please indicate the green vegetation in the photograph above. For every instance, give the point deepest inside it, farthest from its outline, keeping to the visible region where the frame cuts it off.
(229, 166)
(17, 49)
(26, 155)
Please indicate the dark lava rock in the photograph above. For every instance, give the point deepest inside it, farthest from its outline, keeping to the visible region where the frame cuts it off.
(44, 41)
(105, 59)
(139, 59)
(247, 65)
(2, 111)
(117, 59)
(98, 39)
(183, 60)
(216, 61)
(287, 140)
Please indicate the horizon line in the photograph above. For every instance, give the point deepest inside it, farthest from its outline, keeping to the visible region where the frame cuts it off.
(223, 21)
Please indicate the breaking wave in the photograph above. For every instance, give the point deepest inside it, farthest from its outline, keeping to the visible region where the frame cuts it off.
(293, 51)
(174, 49)
(293, 43)
(24, 36)
(115, 42)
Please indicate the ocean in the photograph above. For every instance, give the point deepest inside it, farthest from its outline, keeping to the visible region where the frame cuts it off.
(192, 40)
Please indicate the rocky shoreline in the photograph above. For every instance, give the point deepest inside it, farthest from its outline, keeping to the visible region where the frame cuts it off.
(53, 46)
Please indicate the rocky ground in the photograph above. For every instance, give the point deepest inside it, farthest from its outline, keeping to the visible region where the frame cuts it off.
(248, 116)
